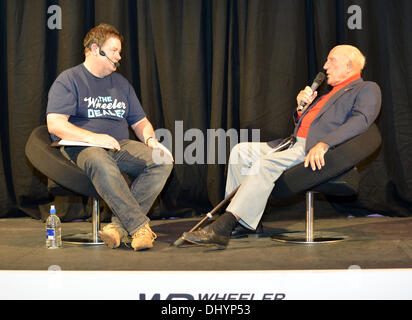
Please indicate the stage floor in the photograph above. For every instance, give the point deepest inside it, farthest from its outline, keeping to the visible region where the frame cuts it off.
(370, 243)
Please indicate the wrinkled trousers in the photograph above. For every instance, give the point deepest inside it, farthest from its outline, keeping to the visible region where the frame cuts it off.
(254, 168)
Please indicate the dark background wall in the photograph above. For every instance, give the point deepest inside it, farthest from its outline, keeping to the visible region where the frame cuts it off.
(211, 64)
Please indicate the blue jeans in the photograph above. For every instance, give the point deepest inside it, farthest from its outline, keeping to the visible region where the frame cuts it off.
(129, 205)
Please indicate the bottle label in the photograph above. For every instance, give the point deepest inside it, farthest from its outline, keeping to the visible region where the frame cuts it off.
(50, 234)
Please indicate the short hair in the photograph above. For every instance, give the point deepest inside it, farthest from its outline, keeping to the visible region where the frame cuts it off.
(99, 35)
(357, 57)
(354, 55)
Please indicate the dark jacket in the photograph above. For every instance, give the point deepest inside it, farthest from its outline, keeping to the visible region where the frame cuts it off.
(348, 113)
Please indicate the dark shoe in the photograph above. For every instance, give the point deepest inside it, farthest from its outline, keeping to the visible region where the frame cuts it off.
(242, 232)
(206, 237)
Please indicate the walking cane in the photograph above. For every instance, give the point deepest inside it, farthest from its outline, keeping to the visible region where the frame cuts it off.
(286, 143)
(209, 215)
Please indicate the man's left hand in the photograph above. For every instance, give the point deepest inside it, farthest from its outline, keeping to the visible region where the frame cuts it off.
(152, 143)
(315, 157)
(155, 144)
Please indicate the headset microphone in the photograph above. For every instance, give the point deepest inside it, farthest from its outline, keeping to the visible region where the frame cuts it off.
(103, 54)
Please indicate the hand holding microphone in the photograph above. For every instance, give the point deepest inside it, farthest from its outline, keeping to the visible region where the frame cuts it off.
(307, 95)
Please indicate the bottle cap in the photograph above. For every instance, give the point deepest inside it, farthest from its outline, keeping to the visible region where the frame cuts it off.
(52, 209)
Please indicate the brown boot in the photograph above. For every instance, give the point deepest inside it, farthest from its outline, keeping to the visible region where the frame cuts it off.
(113, 234)
(143, 238)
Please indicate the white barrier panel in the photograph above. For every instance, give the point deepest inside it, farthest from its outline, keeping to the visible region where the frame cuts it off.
(351, 284)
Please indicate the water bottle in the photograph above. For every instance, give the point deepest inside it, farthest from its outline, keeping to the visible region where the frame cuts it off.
(53, 230)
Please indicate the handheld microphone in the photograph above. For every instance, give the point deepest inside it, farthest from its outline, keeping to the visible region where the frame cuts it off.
(103, 54)
(316, 83)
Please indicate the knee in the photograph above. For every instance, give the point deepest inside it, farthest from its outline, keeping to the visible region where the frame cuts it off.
(161, 169)
(237, 152)
(166, 168)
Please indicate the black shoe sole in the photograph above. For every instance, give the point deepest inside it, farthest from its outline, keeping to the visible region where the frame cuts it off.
(218, 246)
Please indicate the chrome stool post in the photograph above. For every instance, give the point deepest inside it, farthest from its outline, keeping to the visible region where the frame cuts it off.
(87, 239)
(307, 237)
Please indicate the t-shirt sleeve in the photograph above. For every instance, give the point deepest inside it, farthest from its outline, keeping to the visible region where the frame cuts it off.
(61, 99)
(136, 112)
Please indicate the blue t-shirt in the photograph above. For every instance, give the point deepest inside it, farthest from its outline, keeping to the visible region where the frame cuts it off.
(102, 105)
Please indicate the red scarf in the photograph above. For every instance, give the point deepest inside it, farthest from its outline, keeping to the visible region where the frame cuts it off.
(313, 112)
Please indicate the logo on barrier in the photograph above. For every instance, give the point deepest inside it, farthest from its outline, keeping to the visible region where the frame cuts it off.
(213, 296)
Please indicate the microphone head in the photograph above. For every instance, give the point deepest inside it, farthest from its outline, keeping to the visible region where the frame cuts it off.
(319, 78)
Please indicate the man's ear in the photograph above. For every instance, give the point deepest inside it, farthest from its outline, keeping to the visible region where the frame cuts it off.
(349, 65)
(94, 48)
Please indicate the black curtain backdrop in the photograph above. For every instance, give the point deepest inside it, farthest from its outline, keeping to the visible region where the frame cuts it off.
(211, 64)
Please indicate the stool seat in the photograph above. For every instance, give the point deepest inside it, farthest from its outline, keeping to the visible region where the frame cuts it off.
(339, 177)
(50, 162)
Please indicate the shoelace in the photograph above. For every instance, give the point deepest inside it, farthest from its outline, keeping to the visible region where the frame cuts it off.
(144, 230)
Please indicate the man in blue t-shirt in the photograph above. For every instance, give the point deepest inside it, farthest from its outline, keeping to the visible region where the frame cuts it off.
(90, 103)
